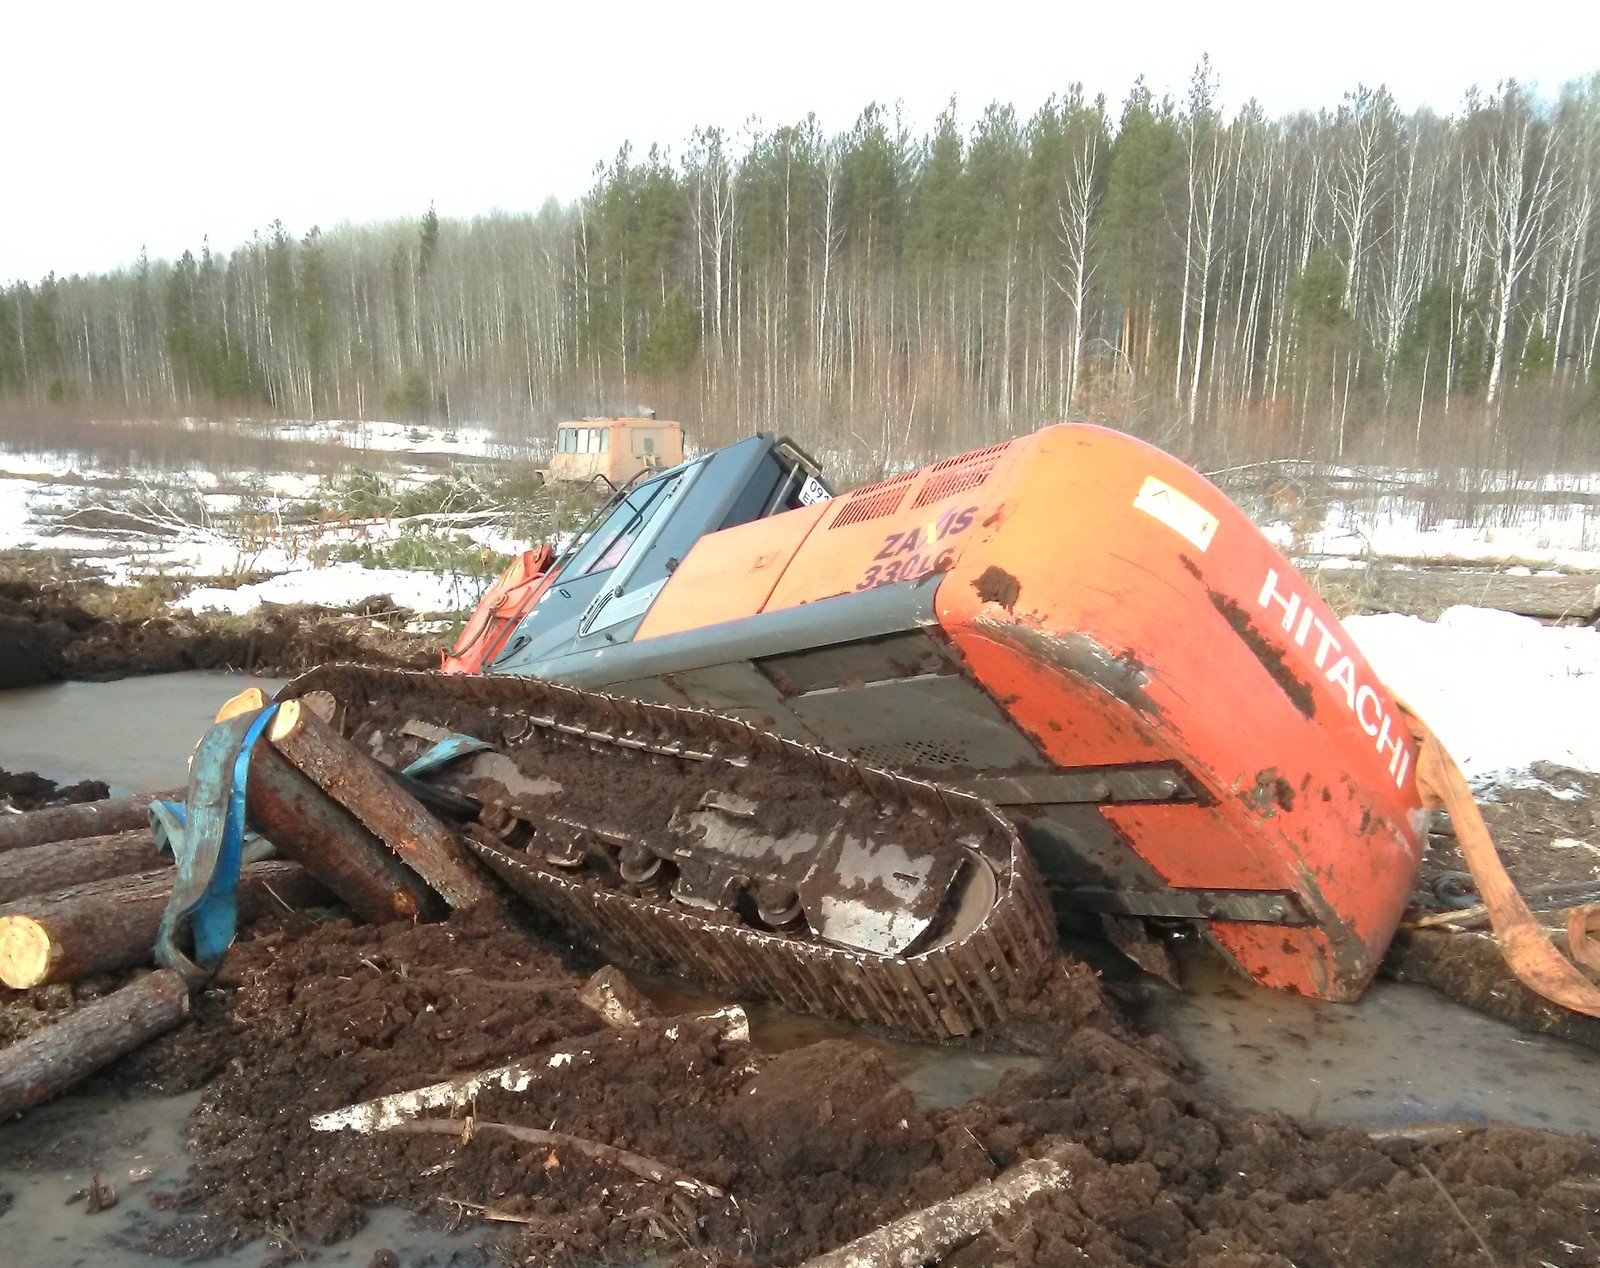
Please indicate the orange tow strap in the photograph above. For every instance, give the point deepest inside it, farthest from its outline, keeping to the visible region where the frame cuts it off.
(1523, 942)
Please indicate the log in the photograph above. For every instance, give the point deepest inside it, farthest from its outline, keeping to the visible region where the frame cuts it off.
(1429, 591)
(306, 825)
(361, 786)
(928, 1235)
(111, 924)
(388, 1112)
(51, 1060)
(44, 869)
(85, 819)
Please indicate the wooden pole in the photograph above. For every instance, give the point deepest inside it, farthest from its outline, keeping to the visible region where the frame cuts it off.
(85, 819)
(360, 785)
(645, 1168)
(111, 924)
(51, 1060)
(44, 869)
(926, 1236)
(307, 825)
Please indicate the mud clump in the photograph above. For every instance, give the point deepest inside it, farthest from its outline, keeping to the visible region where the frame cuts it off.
(829, 1107)
(30, 651)
(29, 790)
(1165, 1178)
(996, 585)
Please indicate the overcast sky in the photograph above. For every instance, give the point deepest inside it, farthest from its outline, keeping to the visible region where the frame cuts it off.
(154, 123)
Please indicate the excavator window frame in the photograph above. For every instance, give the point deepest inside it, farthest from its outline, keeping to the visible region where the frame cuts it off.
(587, 555)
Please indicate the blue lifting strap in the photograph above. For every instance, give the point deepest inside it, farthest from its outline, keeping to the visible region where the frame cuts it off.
(450, 749)
(208, 852)
(166, 824)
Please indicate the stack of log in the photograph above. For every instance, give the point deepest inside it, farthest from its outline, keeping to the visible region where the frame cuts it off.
(83, 888)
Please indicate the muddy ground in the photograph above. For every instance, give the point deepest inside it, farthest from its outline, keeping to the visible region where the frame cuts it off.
(1548, 834)
(810, 1146)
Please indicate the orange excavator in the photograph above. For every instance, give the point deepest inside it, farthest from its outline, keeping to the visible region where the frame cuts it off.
(1072, 626)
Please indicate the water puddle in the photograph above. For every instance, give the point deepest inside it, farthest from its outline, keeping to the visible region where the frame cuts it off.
(1404, 1054)
(136, 733)
(49, 1159)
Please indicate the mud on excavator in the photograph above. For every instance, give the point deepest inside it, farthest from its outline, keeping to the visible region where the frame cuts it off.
(859, 753)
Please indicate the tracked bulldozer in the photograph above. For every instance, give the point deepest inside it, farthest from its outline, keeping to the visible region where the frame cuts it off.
(859, 753)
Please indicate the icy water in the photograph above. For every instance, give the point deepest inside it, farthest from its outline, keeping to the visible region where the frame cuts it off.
(136, 734)
(1402, 1055)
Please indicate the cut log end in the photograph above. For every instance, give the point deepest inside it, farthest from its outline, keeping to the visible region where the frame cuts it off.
(250, 700)
(25, 952)
(285, 722)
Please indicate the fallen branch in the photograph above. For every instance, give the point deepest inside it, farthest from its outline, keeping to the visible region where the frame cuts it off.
(637, 1164)
(1460, 1214)
(926, 1236)
(490, 1213)
(388, 1113)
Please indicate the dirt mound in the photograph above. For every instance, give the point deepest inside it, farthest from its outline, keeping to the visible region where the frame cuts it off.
(86, 630)
(29, 790)
(30, 651)
(1166, 1178)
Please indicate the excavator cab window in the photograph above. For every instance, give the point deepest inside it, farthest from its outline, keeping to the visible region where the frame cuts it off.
(610, 539)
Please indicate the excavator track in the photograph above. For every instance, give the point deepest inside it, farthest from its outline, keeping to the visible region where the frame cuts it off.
(631, 824)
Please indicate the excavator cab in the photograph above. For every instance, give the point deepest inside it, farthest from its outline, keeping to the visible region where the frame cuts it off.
(603, 585)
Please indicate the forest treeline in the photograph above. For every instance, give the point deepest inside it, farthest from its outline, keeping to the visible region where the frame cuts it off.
(1358, 282)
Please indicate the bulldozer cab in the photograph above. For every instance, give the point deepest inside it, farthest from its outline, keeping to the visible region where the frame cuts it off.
(607, 579)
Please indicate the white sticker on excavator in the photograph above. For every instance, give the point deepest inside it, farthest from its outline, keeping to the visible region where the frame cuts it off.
(1178, 511)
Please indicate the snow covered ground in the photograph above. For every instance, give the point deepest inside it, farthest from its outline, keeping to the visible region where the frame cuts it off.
(40, 490)
(339, 585)
(1556, 535)
(1502, 692)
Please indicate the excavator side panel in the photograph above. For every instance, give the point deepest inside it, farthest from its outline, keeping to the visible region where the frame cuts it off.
(730, 574)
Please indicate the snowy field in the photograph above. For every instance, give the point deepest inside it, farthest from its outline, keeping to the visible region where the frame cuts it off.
(188, 521)
(1502, 691)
